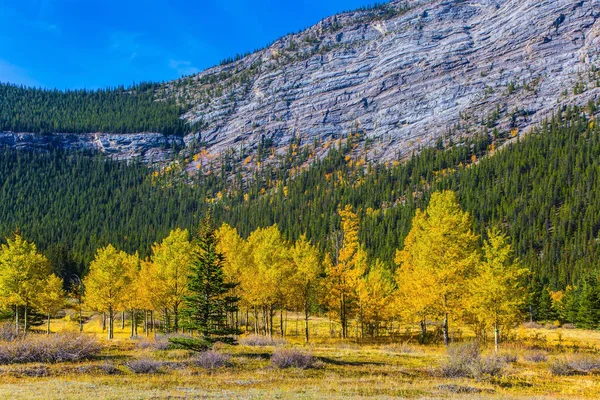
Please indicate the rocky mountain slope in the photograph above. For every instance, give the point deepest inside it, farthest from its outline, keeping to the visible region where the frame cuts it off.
(403, 75)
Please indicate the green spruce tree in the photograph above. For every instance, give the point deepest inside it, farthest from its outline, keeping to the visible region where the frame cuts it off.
(210, 303)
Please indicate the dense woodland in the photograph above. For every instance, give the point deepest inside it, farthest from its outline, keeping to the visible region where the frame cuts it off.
(119, 110)
(540, 190)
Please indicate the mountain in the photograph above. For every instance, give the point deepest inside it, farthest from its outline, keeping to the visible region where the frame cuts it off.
(403, 74)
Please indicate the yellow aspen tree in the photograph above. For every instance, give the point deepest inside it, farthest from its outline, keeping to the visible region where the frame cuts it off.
(374, 293)
(23, 274)
(237, 261)
(272, 273)
(497, 291)
(108, 281)
(51, 299)
(171, 260)
(345, 270)
(440, 254)
(306, 273)
(133, 299)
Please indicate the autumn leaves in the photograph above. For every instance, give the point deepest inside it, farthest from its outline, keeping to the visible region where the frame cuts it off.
(444, 274)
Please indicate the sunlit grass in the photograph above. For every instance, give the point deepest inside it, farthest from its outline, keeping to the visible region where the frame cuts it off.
(346, 370)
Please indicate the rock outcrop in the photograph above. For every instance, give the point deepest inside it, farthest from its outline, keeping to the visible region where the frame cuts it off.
(404, 75)
(147, 147)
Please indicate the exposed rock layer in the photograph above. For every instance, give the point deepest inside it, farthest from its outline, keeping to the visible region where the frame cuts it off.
(404, 76)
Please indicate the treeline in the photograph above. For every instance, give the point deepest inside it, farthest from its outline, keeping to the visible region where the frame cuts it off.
(443, 274)
(540, 190)
(119, 110)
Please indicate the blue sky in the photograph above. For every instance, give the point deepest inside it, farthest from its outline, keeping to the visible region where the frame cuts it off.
(100, 43)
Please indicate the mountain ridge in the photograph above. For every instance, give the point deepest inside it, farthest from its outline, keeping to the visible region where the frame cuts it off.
(403, 74)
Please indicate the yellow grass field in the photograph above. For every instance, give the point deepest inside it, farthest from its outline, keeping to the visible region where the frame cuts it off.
(345, 370)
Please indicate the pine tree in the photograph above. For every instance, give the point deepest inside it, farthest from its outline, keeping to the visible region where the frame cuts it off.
(588, 315)
(209, 299)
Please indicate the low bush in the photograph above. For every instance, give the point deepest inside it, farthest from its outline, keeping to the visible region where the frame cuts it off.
(465, 361)
(211, 359)
(261, 341)
(144, 366)
(536, 356)
(62, 347)
(291, 358)
(509, 357)
(7, 332)
(490, 366)
(577, 364)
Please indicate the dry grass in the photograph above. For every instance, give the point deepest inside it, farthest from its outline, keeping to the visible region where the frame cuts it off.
(347, 370)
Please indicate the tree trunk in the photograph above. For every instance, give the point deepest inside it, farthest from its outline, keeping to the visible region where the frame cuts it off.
(343, 316)
(25, 321)
(306, 321)
(175, 317)
(281, 328)
(247, 320)
(496, 339)
(271, 314)
(103, 321)
(423, 324)
(17, 319)
(80, 318)
(146, 322)
(132, 324)
(446, 336)
(48, 325)
(111, 321)
(123, 320)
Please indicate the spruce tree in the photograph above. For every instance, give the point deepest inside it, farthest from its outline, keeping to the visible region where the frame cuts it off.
(210, 300)
(588, 314)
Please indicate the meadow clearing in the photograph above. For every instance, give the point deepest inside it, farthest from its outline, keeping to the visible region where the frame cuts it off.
(538, 363)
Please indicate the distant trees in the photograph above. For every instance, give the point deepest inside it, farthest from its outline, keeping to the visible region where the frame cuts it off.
(118, 110)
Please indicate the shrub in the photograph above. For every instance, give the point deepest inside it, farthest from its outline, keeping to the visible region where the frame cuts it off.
(464, 360)
(508, 357)
(532, 325)
(49, 349)
(290, 358)
(7, 332)
(160, 342)
(211, 359)
(578, 364)
(568, 326)
(261, 341)
(561, 367)
(144, 366)
(536, 357)
(491, 366)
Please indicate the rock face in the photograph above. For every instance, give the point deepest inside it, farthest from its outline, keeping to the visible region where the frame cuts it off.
(148, 147)
(405, 75)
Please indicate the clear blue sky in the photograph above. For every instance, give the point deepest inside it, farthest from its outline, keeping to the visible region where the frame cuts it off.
(100, 43)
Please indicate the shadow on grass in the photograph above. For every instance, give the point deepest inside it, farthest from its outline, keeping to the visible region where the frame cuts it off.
(328, 360)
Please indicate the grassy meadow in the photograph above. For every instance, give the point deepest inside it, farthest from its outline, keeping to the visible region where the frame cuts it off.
(531, 368)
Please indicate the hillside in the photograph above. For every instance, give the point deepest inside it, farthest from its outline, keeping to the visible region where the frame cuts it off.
(402, 74)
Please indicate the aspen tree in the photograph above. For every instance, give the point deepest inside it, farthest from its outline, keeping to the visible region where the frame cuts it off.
(108, 281)
(439, 255)
(497, 290)
(23, 274)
